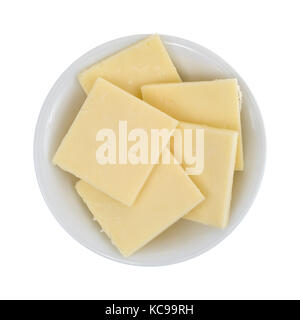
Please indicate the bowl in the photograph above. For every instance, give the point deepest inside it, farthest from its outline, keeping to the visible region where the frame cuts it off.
(185, 239)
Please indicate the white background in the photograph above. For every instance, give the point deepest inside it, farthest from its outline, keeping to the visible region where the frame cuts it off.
(260, 39)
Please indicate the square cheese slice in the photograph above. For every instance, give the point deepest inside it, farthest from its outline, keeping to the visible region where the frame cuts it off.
(166, 197)
(144, 62)
(105, 105)
(213, 103)
(216, 180)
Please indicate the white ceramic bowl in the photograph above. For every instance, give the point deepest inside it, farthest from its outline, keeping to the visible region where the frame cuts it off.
(183, 240)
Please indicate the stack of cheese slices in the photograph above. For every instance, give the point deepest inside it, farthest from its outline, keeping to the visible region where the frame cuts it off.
(134, 203)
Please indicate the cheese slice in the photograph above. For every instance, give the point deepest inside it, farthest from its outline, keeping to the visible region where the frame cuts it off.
(167, 196)
(213, 103)
(144, 62)
(216, 180)
(104, 107)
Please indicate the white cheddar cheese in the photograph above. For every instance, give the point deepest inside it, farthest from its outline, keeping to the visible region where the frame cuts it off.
(144, 62)
(105, 105)
(216, 180)
(166, 197)
(213, 103)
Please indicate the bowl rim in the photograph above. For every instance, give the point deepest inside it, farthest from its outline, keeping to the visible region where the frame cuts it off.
(43, 116)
